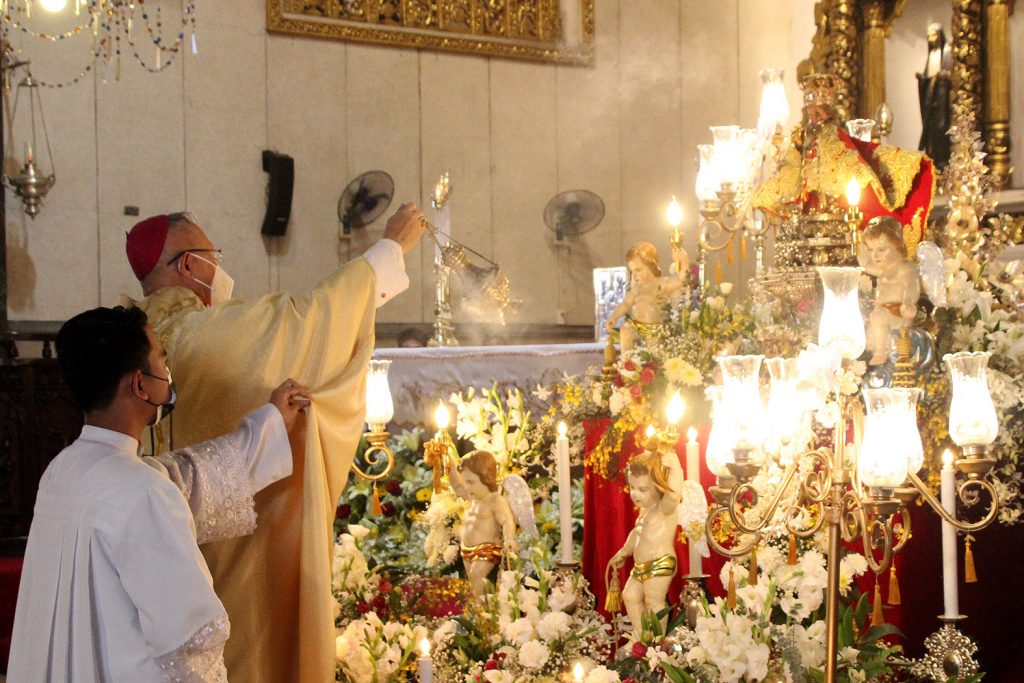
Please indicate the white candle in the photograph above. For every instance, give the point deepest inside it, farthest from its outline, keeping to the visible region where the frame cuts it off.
(693, 474)
(424, 664)
(565, 554)
(949, 574)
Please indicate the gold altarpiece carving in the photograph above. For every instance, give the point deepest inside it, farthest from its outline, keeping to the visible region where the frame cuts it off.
(849, 43)
(534, 30)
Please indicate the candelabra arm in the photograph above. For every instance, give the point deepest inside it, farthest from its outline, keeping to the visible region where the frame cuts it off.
(709, 526)
(377, 453)
(876, 532)
(968, 495)
(904, 534)
(811, 482)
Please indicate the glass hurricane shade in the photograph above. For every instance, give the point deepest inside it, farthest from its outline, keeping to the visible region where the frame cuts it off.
(860, 129)
(707, 182)
(972, 415)
(891, 446)
(741, 401)
(379, 406)
(726, 158)
(841, 323)
(787, 410)
(718, 452)
(774, 112)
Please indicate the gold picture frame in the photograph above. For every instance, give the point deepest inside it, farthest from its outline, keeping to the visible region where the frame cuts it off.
(555, 31)
(850, 44)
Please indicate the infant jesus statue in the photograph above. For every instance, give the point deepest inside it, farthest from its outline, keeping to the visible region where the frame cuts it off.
(489, 528)
(648, 293)
(652, 540)
(883, 253)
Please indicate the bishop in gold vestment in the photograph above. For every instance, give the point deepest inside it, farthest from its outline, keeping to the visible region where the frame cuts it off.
(225, 357)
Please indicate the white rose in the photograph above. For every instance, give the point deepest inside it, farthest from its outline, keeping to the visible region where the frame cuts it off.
(601, 674)
(534, 654)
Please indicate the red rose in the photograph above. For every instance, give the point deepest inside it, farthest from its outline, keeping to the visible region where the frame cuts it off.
(501, 656)
(617, 381)
(639, 650)
(387, 509)
(636, 391)
(491, 665)
(647, 376)
(385, 587)
(343, 511)
(629, 366)
(362, 607)
(394, 487)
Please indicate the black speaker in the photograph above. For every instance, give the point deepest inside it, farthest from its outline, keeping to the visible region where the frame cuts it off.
(281, 169)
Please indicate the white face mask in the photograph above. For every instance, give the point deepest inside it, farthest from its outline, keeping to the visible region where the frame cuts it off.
(222, 285)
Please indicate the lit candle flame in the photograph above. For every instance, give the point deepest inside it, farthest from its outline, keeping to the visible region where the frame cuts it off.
(425, 647)
(675, 409)
(441, 417)
(853, 193)
(650, 431)
(674, 213)
(562, 429)
(577, 672)
(947, 458)
(691, 435)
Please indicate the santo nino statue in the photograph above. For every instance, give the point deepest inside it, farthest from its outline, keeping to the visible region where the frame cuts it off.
(489, 528)
(651, 543)
(883, 253)
(649, 292)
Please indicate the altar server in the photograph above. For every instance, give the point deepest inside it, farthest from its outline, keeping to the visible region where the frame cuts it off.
(224, 354)
(114, 587)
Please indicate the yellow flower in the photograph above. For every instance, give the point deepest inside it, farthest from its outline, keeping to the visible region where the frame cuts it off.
(424, 494)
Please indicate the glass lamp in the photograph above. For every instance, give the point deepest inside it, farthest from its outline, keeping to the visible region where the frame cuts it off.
(725, 157)
(786, 413)
(707, 181)
(741, 392)
(774, 112)
(892, 443)
(973, 424)
(860, 129)
(379, 411)
(841, 323)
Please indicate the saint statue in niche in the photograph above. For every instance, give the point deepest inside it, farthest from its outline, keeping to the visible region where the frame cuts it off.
(933, 86)
(644, 305)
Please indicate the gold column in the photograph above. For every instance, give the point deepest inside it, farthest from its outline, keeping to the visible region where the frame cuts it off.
(997, 90)
(872, 82)
(842, 61)
(966, 49)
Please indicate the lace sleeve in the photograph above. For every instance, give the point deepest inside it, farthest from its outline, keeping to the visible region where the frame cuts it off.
(214, 478)
(201, 658)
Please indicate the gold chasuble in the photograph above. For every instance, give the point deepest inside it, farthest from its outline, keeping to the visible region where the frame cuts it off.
(276, 583)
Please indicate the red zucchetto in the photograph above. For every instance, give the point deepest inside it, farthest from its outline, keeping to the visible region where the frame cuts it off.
(145, 243)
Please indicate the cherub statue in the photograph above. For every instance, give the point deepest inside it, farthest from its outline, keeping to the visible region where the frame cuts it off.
(648, 293)
(651, 543)
(489, 527)
(883, 253)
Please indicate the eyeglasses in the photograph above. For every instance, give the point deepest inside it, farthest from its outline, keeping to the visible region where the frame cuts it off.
(217, 254)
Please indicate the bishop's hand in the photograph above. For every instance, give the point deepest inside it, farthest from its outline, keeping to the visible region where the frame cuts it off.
(406, 227)
(291, 398)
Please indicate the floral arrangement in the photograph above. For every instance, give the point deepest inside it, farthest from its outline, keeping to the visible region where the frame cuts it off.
(534, 626)
(772, 628)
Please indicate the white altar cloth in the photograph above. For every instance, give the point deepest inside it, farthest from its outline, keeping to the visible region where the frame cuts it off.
(422, 376)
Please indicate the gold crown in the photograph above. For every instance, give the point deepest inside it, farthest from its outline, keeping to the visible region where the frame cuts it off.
(819, 88)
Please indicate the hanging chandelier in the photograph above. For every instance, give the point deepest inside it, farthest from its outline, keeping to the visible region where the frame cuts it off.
(112, 29)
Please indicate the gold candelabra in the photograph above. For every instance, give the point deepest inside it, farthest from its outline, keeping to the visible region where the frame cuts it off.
(724, 219)
(858, 494)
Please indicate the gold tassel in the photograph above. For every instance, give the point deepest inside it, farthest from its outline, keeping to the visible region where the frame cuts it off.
(791, 559)
(894, 586)
(970, 574)
(613, 600)
(376, 501)
(877, 618)
(743, 247)
(730, 255)
(718, 272)
(752, 575)
(730, 601)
